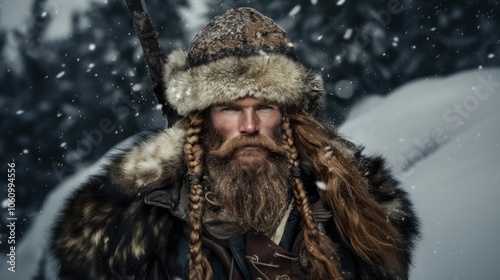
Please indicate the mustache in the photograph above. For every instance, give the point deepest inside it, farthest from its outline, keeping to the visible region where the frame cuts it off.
(229, 147)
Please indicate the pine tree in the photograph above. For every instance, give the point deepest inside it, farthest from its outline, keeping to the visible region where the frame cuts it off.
(71, 99)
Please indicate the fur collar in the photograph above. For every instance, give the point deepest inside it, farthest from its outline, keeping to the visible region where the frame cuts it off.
(151, 164)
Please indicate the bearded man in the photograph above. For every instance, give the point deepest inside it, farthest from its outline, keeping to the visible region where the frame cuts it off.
(248, 185)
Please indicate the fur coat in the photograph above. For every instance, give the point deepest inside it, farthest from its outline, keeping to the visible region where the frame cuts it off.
(126, 223)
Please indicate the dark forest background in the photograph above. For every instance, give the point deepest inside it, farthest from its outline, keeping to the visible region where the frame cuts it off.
(65, 102)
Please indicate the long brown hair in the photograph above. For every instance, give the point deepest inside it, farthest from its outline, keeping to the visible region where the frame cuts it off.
(359, 219)
(324, 261)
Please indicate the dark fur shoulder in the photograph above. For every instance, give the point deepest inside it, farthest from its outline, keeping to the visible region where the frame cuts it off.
(106, 230)
(394, 200)
(103, 234)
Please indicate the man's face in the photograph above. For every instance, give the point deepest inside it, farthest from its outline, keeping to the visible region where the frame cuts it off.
(247, 165)
(246, 117)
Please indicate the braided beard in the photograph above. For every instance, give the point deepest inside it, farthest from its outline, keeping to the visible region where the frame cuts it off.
(250, 188)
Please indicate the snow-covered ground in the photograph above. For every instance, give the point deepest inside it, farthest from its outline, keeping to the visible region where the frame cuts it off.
(442, 138)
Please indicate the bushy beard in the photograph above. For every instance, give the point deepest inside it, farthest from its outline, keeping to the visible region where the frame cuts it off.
(250, 188)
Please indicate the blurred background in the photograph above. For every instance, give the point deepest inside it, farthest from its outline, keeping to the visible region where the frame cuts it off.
(74, 82)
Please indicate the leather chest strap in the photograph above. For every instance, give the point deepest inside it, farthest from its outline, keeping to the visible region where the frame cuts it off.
(269, 261)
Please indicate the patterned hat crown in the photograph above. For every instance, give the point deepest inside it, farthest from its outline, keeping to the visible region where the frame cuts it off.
(239, 54)
(239, 32)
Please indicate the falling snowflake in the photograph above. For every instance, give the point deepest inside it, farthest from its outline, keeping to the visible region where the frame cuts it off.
(60, 74)
(295, 11)
(348, 33)
(136, 87)
(321, 185)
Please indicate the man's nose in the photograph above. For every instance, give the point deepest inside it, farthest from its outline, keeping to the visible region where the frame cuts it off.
(249, 122)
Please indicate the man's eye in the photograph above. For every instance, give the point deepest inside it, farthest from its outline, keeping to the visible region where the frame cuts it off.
(229, 109)
(265, 107)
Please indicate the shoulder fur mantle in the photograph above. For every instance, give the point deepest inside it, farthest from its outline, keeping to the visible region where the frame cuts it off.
(106, 230)
(152, 163)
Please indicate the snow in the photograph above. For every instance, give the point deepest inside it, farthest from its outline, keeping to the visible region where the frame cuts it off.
(17, 15)
(60, 74)
(340, 2)
(194, 14)
(295, 10)
(321, 185)
(17, 12)
(33, 248)
(442, 140)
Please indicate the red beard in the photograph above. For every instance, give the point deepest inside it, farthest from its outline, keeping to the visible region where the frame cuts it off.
(250, 183)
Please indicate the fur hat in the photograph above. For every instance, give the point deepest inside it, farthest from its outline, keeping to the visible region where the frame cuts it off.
(238, 54)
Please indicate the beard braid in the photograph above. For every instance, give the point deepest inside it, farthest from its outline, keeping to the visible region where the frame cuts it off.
(247, 194)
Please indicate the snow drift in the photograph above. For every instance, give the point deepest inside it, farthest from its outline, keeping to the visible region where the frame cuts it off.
(442, 138)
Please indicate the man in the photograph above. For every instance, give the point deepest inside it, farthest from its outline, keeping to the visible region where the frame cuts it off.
(248, 185)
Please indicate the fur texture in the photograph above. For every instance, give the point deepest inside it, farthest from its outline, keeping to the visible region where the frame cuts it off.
(107, 230)
(151, 163)
(270, 77)
(396, 206)
(239, 32)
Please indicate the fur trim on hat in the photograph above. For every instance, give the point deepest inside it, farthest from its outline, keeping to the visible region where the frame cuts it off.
(270, 77)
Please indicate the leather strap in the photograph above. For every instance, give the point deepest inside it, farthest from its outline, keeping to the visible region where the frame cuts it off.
(269, 261)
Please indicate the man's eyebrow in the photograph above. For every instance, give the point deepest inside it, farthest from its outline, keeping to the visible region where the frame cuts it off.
(233, 104)
(225, 105)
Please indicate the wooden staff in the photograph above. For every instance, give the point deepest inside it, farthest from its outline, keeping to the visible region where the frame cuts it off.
(155, 56)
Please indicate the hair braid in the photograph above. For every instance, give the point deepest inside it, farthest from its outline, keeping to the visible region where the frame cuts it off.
(359, 218)
(324, 259)
(199, 267)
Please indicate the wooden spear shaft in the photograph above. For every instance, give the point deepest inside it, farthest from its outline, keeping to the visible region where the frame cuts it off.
(155, 56)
